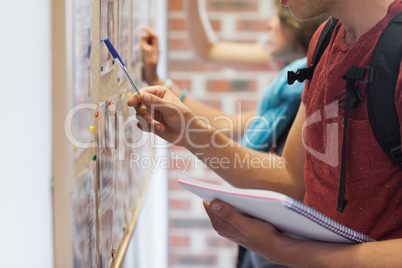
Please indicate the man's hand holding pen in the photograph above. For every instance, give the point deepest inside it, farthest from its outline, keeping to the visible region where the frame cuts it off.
(169, 117)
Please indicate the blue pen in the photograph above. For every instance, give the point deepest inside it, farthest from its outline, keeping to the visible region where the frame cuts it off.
(116, 56)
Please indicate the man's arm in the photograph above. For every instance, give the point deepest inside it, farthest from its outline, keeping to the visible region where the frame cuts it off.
(254, 169)
(232, 126)
(262, 238)
(240, 166)
(208, 48)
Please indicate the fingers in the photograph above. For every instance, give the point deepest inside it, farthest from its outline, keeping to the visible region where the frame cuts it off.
(134, 101)
(157, 99)
(159, 91)
(224, 227)
(143, 113)
(150, 40)
(141, 104)
(154, 126)
(228, 222)
(151, 99)
(150, 33)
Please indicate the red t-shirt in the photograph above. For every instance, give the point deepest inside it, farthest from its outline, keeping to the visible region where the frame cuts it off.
(373, 181)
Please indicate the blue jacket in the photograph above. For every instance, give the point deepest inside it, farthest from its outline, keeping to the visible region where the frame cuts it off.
(275, 111)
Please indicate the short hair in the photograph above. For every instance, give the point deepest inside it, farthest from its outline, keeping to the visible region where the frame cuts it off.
(302, 30)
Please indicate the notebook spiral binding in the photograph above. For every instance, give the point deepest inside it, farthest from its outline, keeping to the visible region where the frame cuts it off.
(326, 222)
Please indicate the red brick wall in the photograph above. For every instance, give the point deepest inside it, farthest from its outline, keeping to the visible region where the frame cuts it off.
(192, 240)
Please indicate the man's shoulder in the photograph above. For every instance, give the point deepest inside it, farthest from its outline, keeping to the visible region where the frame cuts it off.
(313, 42)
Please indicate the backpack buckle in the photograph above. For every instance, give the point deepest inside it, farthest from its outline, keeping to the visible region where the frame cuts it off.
(397, 154)
(300, 75)
(369, 71)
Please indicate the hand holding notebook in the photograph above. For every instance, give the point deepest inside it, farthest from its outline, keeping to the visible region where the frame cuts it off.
(286, 214)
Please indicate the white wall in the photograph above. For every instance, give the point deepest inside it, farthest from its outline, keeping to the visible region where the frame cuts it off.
(25, 124)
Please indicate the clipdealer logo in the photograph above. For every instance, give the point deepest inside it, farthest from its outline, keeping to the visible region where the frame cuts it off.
(330, 156)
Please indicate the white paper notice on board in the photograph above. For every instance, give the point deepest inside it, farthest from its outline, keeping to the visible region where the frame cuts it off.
(107, 31)
(84, 218)
(124, 34)
(82, 118)
(135, 32)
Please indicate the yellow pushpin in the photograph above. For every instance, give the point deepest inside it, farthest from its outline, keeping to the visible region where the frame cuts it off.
(92, 128)
(133, 209)
(122, 96)
(130, 94)
(124, 227)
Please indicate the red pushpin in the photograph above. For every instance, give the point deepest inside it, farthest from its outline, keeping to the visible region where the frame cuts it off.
(113, 253)
(97, 114)
(109, 102)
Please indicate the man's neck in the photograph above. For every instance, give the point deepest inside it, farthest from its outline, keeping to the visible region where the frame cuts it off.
(359, 16)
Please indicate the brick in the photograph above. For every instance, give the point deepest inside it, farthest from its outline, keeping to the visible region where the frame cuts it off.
(218, 242)
(246, 106)
(251, 25)
(183, 84)
(173, 185)
(243, 85)
(235, 5)
(179, 45)
(230, 86)
(179, 204)
(179, 241)
(191, 66)
(175, 5)
(197, 259)
(177, 25)
(180, 25)
(190, 223)
(219, 86)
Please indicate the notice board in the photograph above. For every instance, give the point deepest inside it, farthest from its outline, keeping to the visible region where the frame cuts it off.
(97, 190)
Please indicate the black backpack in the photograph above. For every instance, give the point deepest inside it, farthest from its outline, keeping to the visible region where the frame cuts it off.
(381, 77)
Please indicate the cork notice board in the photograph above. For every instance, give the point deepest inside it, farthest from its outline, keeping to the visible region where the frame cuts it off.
(98, 185)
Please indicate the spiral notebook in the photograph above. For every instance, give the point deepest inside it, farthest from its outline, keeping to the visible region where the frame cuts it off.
(286, 214)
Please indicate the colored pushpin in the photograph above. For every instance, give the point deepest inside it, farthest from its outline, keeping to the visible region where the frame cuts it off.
(113, 253)
(94, 157)
(97, 114)
(122, 96)
(130, 94)
(124, 227)
(133, 209)
(92, 128)
(109, 102)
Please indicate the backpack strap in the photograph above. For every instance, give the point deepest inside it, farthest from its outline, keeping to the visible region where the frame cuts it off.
(323, 41)
(352, 99)
(381, 77)
(386, 61)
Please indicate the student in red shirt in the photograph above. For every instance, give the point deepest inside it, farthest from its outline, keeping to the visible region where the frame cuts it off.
(310, 166)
